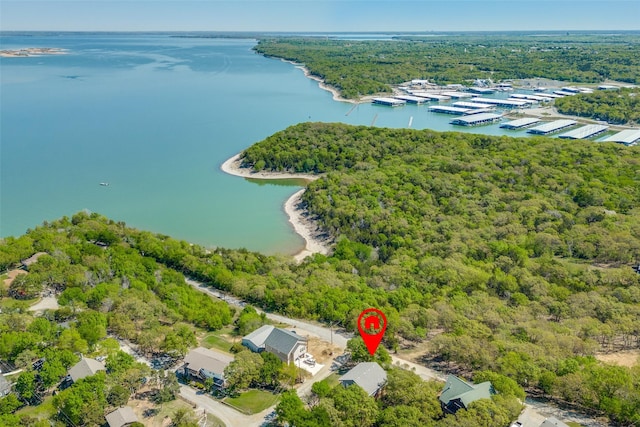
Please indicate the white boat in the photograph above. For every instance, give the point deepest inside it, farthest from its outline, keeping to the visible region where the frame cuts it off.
(104, 184)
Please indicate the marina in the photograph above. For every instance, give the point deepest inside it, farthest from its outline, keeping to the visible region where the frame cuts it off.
(627, 137)
(550, 127)
(389, 102)
(450, 110)
(520, 123)
(476, 119)
(584, 132)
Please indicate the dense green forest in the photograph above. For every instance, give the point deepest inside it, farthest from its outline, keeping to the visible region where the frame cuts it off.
(614, 106)
(508, 255)
(106, 289)
(360, 68)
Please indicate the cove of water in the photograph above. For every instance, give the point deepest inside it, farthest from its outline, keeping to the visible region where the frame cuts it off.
(155, 117)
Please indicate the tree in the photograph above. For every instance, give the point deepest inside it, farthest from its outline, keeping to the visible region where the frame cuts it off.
(290, 409)
(169, 387)
(9, 404)
(183, 417)
(270, 369)
(244, 370)
(92, 326)
(26, 385)
(51, 372)
(119, 362)
(118, 396)
(356, 408)
(359, 353)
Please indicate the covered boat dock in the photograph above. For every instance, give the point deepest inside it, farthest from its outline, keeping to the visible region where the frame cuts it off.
(390, 102)
(627, 137)
(584, 132)
(511, 103)
(411, 99)
(476, 119)
(550, 127)
(473, 105)
(449, 110)
(520, 123)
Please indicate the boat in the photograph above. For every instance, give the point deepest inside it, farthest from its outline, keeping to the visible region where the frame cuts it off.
(104, 184)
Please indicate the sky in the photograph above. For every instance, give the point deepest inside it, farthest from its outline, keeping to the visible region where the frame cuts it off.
(319, 15)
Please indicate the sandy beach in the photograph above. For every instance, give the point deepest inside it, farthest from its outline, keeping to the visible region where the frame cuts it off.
(335, 92)
(316, 241)
(32, 51)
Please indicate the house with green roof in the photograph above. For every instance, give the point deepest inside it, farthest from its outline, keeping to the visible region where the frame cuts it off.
(458, 394)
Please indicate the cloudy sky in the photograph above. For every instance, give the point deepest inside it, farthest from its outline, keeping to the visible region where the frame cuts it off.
(319, 15)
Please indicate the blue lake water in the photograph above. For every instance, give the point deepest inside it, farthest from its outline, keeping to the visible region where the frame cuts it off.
(155, 116)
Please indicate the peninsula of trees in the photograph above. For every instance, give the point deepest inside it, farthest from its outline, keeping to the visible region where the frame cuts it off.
(359, 68)
(506, 255)
(614, 106)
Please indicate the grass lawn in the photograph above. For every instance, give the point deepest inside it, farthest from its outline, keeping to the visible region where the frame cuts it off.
(169, 408)
(218, 339)
(333, 380)
(42, 411)
(253, 401)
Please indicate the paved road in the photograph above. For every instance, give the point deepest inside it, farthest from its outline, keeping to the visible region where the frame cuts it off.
(532, 416)
(228, 415)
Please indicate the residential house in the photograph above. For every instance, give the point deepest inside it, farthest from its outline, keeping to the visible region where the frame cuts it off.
(368, 375)
(287, 345)
(553, 422)
(202, 363)
(255, 340)
(458, 394)
(121, 417)
(85, 368)
(5, 386)
(26, 263)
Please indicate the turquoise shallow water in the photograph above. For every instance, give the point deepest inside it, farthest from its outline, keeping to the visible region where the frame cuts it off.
(155, 116)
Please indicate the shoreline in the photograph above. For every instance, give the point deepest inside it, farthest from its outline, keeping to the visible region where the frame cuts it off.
(316, 241)
(321, 83)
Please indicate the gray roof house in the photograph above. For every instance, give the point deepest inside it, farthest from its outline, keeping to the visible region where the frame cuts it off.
(202, 363)
(287, 345)
(458, 394)
(255, 340)
(553, 422)
(5, 386)
(368, 375)
(85, 368)
(121, 417)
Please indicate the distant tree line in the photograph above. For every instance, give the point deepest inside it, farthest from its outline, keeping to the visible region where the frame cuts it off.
(359, 68)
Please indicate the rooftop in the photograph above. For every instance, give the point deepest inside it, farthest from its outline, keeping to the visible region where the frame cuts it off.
(368, 375)
(121, 417)
(283, 340)
(209, 360)
(85, 368)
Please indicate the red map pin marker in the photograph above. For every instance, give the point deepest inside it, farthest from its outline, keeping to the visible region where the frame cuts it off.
(372, 323)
